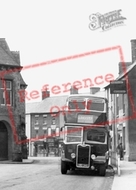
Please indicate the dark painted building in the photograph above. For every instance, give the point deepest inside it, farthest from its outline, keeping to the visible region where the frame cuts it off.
(122, 109)
(12, 111)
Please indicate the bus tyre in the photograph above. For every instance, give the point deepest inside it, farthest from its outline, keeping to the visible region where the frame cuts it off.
(63, 167)
(102, 170)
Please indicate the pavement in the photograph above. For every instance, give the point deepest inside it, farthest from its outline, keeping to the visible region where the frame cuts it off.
(127, 178)
(24, 161)
(31, 160)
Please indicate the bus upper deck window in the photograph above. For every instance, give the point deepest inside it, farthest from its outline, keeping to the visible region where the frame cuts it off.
(77, 104)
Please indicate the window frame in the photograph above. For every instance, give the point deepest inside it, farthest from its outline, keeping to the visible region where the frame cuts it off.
(96, 142)
(4, 89)
(66, 135)
(45, 119)
(36, 117)
(53, 121)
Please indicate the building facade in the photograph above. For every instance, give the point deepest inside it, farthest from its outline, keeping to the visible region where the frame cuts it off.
(122, 109)
(43, 121)
(12, 110)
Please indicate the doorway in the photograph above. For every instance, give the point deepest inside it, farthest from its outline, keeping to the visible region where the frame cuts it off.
(3, 142)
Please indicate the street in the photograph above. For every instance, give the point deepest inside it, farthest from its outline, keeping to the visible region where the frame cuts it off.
(45, 174)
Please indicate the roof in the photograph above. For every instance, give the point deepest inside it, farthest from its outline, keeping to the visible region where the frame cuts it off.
(9, 58)
(100, 94)
(30, 107)
(6, 56)
(127, 71)
(50, 104)
(22, 82)
(129, 68)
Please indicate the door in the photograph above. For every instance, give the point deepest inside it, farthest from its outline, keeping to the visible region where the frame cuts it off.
(3, 142)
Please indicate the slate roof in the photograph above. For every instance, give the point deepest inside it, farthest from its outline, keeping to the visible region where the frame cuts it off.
(22, 82)
(6, 56)
(45, 105)
(124, 73)
(127, 71)
(100, 93)
(9, 58)
(30, 107)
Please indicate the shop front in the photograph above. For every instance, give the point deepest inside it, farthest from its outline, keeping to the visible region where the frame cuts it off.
(50, 146)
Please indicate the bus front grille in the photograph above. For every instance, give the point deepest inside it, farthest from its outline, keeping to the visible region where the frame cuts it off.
(83, 156)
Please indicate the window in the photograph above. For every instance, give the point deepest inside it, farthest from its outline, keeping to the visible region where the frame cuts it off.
(73, 134)
(53, 121)
(94, 135)
(95, 105)
(49, 131)
(6, 92)
(57, 131)
(117, 105)
(45, 133)
(36, 135)
(112, 97)
(44, 119)
(123, 102)
(36, 122)
(76, 104)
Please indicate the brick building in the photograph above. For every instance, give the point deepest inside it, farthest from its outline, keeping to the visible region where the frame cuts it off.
(43, 119)
(12, 111)
(122, 108)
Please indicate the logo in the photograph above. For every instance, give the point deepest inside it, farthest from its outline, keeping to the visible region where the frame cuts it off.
(106, 21)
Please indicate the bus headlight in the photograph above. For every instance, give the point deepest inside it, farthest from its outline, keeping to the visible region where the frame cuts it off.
(93, 156)
(73, 155)
(107, 155)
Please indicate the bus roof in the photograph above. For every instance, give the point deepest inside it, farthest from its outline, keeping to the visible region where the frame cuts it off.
(86, 95)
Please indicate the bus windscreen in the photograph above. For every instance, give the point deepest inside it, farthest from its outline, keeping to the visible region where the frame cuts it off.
(94, 105)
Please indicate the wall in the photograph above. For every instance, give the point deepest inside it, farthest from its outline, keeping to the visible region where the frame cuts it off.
(131, 110)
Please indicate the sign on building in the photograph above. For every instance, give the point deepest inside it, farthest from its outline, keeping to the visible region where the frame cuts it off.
(118, 87)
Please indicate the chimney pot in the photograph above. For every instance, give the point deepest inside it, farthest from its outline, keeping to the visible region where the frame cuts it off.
(45, 94)
(93, 90)
(73, 90)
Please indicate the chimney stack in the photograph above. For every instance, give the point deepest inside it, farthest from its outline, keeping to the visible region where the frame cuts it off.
(121, 66)
(133, 50)
(73, 90)
(93, 90)
(45, 94)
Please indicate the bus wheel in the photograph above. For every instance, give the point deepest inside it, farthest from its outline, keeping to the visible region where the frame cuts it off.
(102, 170)
(63, 167)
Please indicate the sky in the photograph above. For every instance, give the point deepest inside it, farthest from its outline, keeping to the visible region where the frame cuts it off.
(44, 30)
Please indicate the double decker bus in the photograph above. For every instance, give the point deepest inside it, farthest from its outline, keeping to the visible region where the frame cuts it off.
(86, 137)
